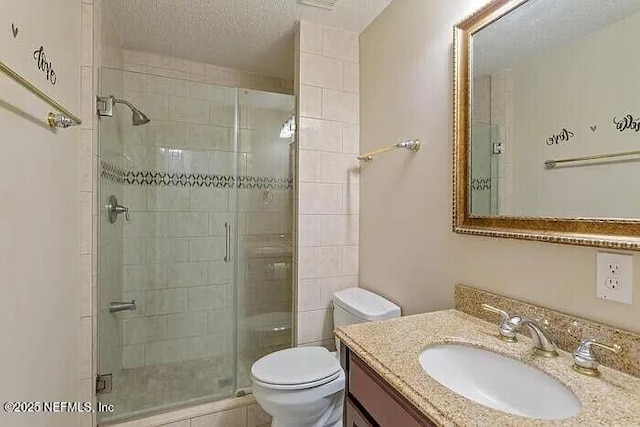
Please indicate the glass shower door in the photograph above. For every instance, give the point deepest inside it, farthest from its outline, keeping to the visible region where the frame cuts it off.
(265, 212)
(175, 256)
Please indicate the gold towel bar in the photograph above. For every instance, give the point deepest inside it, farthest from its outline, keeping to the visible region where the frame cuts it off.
(549, 164)
(412, 145)
(62, 119)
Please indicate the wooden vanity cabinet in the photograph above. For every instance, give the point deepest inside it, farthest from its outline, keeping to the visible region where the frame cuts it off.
(371, 402)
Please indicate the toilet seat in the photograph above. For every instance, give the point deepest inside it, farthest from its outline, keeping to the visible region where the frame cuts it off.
(296, 369)
(301, 386)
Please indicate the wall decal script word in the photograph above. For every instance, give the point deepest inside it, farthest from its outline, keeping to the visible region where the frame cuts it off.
(14, 30)
(45, 66)
(628, 122)
(564, 136)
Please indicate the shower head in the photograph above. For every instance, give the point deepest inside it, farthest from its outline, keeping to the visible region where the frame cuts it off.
(138, 117)
(106, 108)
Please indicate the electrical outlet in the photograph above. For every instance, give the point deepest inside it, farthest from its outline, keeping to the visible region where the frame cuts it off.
(612, 283)
(614, 277)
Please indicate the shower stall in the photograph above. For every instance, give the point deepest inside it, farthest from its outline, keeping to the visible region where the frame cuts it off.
(195, 239)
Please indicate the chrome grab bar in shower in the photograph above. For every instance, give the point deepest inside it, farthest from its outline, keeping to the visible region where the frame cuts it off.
(227, 242)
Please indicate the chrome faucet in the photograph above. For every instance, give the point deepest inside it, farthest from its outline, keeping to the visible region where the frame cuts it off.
(543, 342)
(585, 361)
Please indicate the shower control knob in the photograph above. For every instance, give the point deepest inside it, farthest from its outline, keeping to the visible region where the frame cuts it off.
(114, 209)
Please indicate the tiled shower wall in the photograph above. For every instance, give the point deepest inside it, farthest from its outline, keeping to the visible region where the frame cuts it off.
(200, 72)
(327, 86)
(174, 244)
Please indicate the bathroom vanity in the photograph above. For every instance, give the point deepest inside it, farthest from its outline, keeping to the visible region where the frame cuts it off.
(388, 384)
(371, 401)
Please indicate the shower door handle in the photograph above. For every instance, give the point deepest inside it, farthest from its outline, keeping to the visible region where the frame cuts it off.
(227, 242)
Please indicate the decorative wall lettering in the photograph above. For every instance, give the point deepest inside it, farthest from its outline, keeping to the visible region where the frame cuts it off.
(14, 31)
(45, 66)
(627, 123)
(593, 128)
(564, 136)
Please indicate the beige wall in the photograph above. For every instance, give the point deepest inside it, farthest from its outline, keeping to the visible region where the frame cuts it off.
(408, 252)
(45, 250)
(327, 85)
(592, 81)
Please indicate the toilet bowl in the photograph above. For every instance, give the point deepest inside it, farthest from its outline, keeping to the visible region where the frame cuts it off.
(304, 386)
(301, 387)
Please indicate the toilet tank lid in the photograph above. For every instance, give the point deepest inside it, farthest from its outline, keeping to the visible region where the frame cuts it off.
(365, 304)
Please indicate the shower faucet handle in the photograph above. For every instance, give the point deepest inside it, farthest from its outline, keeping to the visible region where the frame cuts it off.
(120, 209)
(114, 209)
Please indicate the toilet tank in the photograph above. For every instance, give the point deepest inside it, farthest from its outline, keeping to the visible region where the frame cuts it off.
(357, 305)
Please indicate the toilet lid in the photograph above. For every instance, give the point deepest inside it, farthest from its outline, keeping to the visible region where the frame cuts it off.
(294, 366)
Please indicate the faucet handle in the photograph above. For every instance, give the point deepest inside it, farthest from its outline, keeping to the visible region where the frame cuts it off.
(114, 209)
(126, 213)
(585, 361)
(505, 316)
(507, 329)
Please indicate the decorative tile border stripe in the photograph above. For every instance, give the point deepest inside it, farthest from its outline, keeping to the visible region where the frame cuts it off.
(569, 330)
(178, 179)
(188, 179)
(112, 172)
(264, 183)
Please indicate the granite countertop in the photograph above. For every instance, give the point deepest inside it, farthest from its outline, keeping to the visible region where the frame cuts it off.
(392, 349)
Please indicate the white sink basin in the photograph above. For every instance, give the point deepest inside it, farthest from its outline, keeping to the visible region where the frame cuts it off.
(499, 382)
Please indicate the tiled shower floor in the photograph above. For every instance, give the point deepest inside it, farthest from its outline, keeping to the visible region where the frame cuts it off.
(151, 389)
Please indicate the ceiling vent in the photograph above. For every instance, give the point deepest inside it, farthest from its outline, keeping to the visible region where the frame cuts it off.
(324, 4)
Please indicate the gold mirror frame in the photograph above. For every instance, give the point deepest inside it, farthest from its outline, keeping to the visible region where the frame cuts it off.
(604, 233)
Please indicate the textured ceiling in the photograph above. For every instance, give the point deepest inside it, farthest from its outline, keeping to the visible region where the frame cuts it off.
(250, 35)
(539, 25)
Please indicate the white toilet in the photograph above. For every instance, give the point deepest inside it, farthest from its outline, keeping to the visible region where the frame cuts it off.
(304, 386)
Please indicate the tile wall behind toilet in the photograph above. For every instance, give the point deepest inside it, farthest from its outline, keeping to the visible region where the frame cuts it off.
(327, 85)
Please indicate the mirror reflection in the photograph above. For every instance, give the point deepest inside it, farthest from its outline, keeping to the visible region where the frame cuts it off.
(556, 111)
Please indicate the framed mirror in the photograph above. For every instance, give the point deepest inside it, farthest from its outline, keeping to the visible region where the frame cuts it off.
(547, 122)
